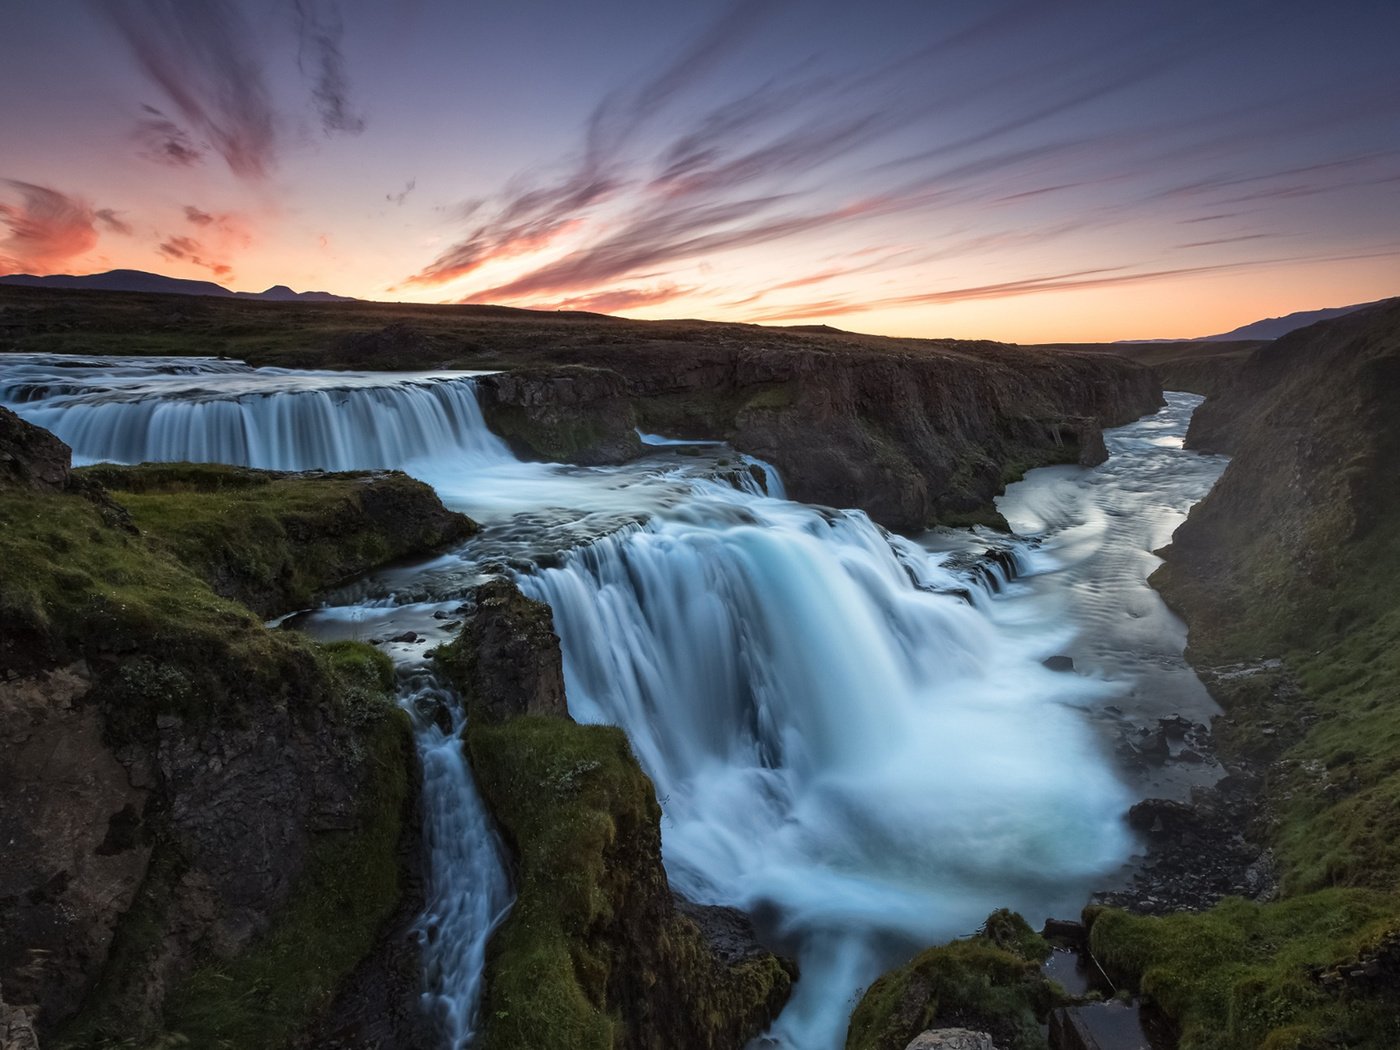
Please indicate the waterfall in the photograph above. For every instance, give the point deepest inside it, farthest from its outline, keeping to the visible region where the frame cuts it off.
(838, 746)
(111, 409)
(468, 892)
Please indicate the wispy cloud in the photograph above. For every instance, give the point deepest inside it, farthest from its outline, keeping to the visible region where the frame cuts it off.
(47, 229)
(113, 221)
(319, 31)
(616, 300)
(1074, 281)
(196, 216)
(402, 195)
(207, 61)
(165, 142)
(189, 250)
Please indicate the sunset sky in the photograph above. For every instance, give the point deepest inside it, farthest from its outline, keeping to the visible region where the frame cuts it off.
(1020, 171)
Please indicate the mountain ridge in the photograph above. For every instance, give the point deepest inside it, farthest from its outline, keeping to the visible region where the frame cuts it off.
(146, 281)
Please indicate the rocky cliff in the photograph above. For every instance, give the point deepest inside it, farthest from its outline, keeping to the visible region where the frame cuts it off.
(596, 952)
(914, 434)
(205, 820)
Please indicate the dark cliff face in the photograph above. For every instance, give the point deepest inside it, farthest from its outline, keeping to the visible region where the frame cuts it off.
(912, 437)
(596, 952)
(1271, 557)
(206, 820)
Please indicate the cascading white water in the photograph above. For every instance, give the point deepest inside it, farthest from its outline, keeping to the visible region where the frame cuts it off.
(842, 745)
(866, 763)
(225, 412)
(468, 891)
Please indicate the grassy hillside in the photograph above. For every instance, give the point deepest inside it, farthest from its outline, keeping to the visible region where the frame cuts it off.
(1294, 558)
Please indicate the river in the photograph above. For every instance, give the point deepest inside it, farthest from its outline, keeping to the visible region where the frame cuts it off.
(853, 735)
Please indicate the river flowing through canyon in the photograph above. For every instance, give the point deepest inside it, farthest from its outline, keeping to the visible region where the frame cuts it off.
(853, 735)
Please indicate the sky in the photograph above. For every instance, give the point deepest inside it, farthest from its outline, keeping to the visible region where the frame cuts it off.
(1022, 171)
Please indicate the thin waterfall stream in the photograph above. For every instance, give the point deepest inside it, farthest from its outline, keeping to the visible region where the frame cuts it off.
(854, 735)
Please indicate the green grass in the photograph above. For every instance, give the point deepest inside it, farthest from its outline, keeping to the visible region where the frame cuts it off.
(1241, 975)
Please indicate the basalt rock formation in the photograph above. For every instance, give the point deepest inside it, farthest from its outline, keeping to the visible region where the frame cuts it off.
(205, 820)
(913, 435)
(596, 952)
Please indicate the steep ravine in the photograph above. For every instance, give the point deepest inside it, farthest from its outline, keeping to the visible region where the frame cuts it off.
(1287, 577)
(217, 709)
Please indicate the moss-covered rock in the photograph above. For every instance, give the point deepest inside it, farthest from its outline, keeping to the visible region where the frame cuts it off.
(209, 816)
(990, 982)
(1312, 971)
(595, 952)
(273, 540)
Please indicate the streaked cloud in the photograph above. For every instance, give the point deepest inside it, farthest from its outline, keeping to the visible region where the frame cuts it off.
(319, 32)
(615, 300)
(189, 250)
(209, 64)
(47, 229)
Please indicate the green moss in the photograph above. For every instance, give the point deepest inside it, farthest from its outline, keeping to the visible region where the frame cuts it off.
(350, 887)
(80, 584)
(1245, 975)
(593, 915)
(990, 982)
(563, 793)
(274, 540)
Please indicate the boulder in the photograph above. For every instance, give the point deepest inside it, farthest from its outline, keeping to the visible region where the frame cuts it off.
(506, 660)
(31, 456)
(951, 1039)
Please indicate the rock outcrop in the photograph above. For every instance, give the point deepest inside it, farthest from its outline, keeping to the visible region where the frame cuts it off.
(991, 984)
(951, 1039)
(506, 659)
(205, 820)
(596, 952)
(272, 539)
(916, 434)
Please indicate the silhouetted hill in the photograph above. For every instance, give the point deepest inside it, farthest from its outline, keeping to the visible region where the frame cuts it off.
(1275, 327)
(141, 281)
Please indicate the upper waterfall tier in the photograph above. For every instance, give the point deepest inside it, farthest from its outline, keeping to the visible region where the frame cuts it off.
(165, 409)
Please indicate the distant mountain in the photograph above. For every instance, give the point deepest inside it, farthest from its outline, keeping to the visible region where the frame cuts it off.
(1274, 327)
(141, 281)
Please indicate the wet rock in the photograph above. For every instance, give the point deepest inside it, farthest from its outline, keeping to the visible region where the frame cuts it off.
(1197, 853)
(17, 1027)
(506, 660)
(1067, 932)
(1059, 663)
(31, 456)
(407, 636)
(571, 414)
(951, 1039)
(1098, 1026)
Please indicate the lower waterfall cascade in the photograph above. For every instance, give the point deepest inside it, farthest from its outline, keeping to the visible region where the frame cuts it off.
(853, 735)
